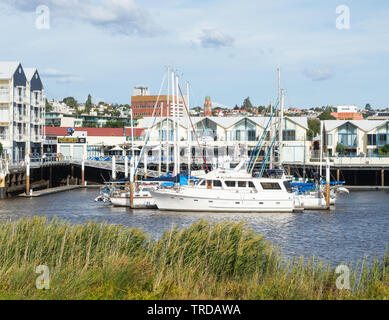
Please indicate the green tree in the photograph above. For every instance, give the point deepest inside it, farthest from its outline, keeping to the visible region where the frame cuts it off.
(48, 106)
(71, 102)
(340, 148)
(313, 128)
(1, 149)
(326, 114)
(368, 107)
(88, 104)
(384, 151)
(247, 104)
(261, 109)
(115, 113)
(114, 124)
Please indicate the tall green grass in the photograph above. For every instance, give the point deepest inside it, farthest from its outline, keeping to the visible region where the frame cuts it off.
(204, 261)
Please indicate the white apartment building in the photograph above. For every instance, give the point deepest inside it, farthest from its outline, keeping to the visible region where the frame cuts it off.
(224, 135)
(358, 137)
(341, 109)
(61, 107)
(22, 111)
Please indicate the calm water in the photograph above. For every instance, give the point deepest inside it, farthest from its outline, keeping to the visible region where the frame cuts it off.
(358, 227)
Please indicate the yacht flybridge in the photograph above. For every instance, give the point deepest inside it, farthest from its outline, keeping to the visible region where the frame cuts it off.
(228, 191)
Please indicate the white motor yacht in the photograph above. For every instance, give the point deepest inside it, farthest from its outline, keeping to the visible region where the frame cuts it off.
(228, 191)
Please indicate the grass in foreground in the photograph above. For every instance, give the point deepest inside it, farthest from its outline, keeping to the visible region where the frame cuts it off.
(204, 261)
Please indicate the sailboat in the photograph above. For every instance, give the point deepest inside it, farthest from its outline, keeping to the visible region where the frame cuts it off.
(140, 196)
(236, 190)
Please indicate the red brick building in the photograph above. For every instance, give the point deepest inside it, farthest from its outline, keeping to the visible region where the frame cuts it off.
(143, 106)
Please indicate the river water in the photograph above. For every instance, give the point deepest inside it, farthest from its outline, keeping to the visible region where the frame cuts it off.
(357, 228)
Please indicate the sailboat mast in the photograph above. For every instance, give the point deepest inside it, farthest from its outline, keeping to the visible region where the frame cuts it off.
(174, 122)
(271, 137)
(279, 117)
(189, 134)
(160, 140)
(167, 121)
(280, 128)
(321, 150)
(178, 128)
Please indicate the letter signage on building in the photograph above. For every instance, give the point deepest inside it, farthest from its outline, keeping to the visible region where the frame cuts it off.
(71, 140)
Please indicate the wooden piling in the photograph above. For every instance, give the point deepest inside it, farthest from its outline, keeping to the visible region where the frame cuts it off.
(382, 177)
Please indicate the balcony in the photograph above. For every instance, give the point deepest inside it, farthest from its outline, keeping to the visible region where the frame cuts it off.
(4, 98)
(20, 137)
(35, 120)
(36, 138)
(20, 99)
(348, 140)
(19, 117)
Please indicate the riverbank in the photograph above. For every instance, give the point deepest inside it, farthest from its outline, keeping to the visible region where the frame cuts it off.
(204, 261)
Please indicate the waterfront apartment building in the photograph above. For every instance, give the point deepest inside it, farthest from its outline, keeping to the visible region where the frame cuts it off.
(225, 135)
(358, 137)
(61, 119)
(22, 109)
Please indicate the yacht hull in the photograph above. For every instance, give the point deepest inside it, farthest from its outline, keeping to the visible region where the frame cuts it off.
(140, 203)
(173, 201)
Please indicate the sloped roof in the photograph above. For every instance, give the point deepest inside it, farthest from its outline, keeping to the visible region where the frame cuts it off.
(95, 132)
(225, 122)
(8, 69)
(365, 125)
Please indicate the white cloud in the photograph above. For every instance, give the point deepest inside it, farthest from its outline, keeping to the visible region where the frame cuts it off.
(117, 16)
(319, 74)
(215, 38)
(60, 76)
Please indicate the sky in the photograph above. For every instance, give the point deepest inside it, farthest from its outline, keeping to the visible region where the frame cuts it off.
(226, 49)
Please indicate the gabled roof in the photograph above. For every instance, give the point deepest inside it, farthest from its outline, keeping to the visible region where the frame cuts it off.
(8, 69)
(365, 125)
(225, 122)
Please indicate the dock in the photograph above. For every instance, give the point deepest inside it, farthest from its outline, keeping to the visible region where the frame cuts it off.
(367, 188)
(46, 192)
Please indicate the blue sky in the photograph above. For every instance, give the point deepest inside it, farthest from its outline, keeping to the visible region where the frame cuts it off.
(226, 49)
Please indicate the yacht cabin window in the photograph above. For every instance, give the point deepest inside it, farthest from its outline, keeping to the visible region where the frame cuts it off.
(251, 185)
(217, 183)
(270, 186)
(242, 184)
(230, 184)
(202, 183)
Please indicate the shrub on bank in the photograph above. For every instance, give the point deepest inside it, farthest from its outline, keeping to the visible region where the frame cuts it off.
(204, 261)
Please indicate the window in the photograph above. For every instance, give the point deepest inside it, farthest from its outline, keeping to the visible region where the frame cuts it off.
(381, 139)
(251, 135)
(230, 184)
(270, 186)
(329, 139)
(251, 185)
(242, 184)
(202, 183)
(217, 183)
(289, 135)
(371, 139)
(288, 187)
(237, 135)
